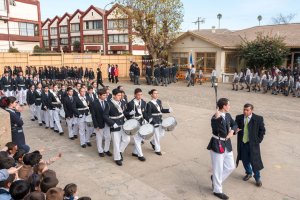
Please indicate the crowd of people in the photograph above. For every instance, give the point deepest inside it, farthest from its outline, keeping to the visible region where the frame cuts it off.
(276, 80)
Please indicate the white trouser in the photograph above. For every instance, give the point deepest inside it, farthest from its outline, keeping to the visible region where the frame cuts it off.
(84, 135)
(159, 132)
(32, 111)
(56, 119)
(222, 166)
(38, 113)
(137, 148)
(8, 93)
(103, 134)
(75, 126)
(21, 96)
(120, 142)
(70, 127)
(48, 114)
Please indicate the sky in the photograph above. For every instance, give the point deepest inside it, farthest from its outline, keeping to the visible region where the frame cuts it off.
(236, 14)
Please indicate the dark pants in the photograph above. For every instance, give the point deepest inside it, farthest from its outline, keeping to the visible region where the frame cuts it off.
(117, 79)
(246, 156)
(112, 78)
(101, 83)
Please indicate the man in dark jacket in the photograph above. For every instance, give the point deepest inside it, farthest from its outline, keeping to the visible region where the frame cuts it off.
(223, 128)
(149, 74)
(99, 78)
(137, 74)
(30, 99)
(251, 131)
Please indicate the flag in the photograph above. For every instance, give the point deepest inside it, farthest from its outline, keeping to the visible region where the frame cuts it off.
(191, 59)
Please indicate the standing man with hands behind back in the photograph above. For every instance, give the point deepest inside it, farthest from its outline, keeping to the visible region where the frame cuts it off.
(223, 128)
(251, 131)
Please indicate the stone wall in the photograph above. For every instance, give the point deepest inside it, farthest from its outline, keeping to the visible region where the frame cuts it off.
(5, 132)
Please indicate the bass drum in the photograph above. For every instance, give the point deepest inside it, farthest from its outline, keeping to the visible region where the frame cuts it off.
(131, 127)
(146, 131)
(169, 123)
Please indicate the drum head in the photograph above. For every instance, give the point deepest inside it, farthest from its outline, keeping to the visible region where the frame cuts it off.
(146, 131)
(169, 123)
(131, 127)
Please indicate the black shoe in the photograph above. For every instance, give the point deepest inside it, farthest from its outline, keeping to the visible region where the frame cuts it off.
(40, 124)
(43, 122)
(72, 138)
(258, 183)
(135, 155)
(108, 153)
(89, 144)
(212, 182)
(158, 153)
(221, 195)
(75, 136)
(101, 154)
(119, 162)
(247, 177)
(83, 146)
(52, 128)
(142, 159)
(93, 134)
(153, 146)
(121, 156)
(142, 142)
(46, 127)
(56, 131)
(33, 120)
(61, 133)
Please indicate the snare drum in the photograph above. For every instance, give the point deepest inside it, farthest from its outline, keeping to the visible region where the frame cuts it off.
(62, 113)
(146, 131)
(89, 120)
(169, 123)
(131, 127)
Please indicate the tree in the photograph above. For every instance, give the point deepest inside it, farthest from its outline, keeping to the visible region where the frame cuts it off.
(76, 46)
(38, 49)
(13, 50)
(265, 51)
(283, 19)
(219, 16)
(259, 18)
(156, 22)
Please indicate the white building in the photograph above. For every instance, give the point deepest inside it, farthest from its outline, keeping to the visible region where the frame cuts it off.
(20, 24)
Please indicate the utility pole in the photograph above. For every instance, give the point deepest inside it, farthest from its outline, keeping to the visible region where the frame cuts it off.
(199, 21)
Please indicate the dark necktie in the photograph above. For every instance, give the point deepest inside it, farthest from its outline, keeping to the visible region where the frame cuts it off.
(102, 105)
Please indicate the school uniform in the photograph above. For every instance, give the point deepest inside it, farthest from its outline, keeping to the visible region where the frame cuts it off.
(154, 113)
(7, 86)
(48, 109)
(56, 106)
(69, 108)
(38, 106)
(30, 99)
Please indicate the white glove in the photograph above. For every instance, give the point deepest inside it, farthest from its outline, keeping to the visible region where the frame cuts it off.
(170, 110)
(132, 112)
(150, 120)
(80, 116)
(115, 125)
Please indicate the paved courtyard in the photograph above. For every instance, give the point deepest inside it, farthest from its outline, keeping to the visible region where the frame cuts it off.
(183, 172)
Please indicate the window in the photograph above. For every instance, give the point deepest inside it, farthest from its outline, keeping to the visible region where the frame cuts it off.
(179, 58)
(64, 41)
(53, 31)
(207, 61)
(117, 23)
(73, 39)
(2, 5)
(118, 39)
(93, 39)
(232, 62)
(46, 43)
(54, 42)
(93, 25)
(45, 32)
(75, 27)
(64, 29)
(27, 29)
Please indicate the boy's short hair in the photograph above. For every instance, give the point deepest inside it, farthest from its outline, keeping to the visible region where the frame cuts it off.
(55, 193)
(10, 179)
(222, 102)
(10, 146)
(85, 198)
(49, 173)
(35, 196)
(6, 163)
(19, 189)
(101, 92)
(19, 154)
(116, 91)
(70, 190)
(48, 182)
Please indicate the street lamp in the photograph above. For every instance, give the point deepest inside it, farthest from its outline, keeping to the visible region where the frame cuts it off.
(104, 44)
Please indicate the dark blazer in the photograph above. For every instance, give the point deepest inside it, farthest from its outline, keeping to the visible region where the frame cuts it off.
(38, 97)
(89, 99)
(151, 109)
(6, 84)
(69, 106)
(20, 83)
(131, 106)
(220, 128)
(30, 97)
(112, 111)
(98, 113)
(47, 101)
(256, 131)
(79, 104)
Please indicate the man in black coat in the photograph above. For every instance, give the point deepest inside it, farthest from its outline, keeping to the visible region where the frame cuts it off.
(149, 74)
(69, 107)
(223, 128)
(102, 130)
(251, 131)
(99, 78)
(30, 99)
(137, 74)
